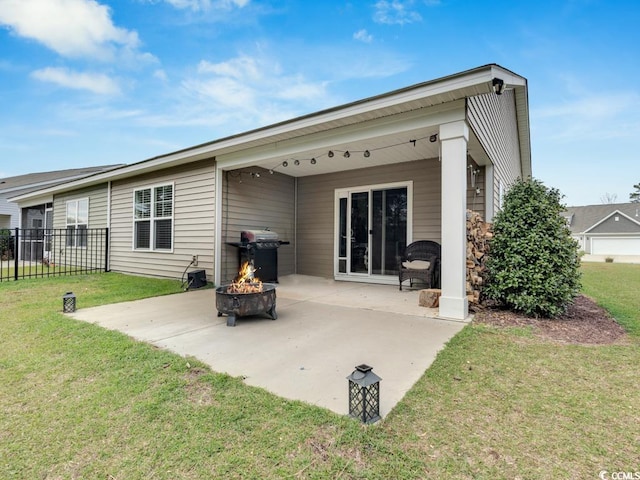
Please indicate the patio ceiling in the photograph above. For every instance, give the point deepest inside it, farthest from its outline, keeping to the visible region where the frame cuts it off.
(408, 146)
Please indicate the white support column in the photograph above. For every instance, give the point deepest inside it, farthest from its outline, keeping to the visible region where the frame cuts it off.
(453, 302)
(217, 249)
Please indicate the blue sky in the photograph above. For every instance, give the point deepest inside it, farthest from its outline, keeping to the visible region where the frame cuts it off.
(95, 82)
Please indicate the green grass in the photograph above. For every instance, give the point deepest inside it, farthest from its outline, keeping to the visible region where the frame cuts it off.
(616, 288)
(39, 270)
(79, 401)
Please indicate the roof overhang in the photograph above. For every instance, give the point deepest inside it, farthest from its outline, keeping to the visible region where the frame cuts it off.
(396, 119)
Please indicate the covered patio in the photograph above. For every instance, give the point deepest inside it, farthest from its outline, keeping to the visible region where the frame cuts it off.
(324, 329)
(349, 188)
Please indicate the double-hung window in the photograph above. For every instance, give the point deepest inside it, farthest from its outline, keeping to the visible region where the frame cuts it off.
(77, 222)
(153, 218)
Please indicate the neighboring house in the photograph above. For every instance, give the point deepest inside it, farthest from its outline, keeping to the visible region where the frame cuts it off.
(609, 229)
(35, 216)
(348, 187)
(10, 213)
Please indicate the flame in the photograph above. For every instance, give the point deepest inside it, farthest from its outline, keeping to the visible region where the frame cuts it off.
(245, 282)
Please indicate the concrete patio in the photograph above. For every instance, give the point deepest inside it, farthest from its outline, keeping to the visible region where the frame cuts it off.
(324, 328)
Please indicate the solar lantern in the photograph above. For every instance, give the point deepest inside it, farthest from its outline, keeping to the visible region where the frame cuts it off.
(364, 394)
(68, 302)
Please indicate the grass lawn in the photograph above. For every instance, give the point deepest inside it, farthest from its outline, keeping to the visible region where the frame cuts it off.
(39, 270)
(79, 401)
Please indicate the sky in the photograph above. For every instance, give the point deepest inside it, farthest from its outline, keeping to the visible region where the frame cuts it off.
(100, 82)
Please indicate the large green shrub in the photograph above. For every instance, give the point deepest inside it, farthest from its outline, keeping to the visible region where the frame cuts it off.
(533, 264)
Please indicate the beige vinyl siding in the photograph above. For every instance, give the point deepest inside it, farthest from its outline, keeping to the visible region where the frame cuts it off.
(316, 210)
(255, 203)
(475, 198)
(97, 206)
(193, 222)
(493, 120)
(89, 256)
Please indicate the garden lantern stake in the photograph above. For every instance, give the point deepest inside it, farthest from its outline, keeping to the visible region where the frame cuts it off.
(364, 394)
(68, 303)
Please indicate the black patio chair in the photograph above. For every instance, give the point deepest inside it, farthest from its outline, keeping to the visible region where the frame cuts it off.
(421, 261)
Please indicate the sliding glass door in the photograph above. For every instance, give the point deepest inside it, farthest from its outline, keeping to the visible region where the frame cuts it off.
(372, 229)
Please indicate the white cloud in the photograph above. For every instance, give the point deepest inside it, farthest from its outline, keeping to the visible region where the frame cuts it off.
(363, 36)
(395, 12)
(251, 91)
(590, 116)
(206, 5)
(239, 68)
(72, 28)
(93, 82)
(225, 92)
(591, 106)
(160, 74)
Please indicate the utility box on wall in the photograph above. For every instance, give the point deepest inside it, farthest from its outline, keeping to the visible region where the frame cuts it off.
(196, 279)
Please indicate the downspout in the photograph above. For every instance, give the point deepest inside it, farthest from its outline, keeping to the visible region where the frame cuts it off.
(217, 240)
(108, 252)
(295, 225)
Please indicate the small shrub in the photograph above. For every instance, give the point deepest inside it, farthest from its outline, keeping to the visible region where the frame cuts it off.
(533, 265)
(608, 260)
(6, 244)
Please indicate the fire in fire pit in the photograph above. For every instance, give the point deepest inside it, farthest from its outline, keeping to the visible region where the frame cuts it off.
(245, 282)
(246, 296)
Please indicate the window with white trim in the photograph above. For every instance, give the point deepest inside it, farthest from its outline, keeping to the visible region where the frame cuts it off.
(77, 222)
(153, 218)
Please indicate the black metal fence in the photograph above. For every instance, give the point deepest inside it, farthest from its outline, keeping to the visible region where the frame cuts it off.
(41, 252)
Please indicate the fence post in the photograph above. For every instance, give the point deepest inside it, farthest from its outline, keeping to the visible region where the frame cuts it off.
(16, 254)
(106, 249)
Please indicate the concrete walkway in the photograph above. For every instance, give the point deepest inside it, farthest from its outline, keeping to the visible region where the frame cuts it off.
(324, 328)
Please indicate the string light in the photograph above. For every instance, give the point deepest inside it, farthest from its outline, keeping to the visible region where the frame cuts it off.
(347, 153)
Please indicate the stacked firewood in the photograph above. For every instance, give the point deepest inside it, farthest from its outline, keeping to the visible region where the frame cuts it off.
(479, 236)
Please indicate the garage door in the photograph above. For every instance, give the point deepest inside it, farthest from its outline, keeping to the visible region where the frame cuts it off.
(615, 246)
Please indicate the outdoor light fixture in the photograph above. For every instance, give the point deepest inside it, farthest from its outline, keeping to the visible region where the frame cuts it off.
(347, 154)
(433, 138)
(498, 86)
(330, 154)
(364, 394)
(313, 161)
(296, 162)
(285, 164)
(68, 302)
(367, 154)
(271, 171)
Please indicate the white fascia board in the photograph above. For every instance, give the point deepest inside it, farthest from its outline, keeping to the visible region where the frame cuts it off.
(416, 119)
(34, 200)
(615, 212)
(510, 79)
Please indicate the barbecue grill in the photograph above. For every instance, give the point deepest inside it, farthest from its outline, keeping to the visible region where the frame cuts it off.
(260, 248)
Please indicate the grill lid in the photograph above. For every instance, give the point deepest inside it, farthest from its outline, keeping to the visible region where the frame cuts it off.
(250, 236)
